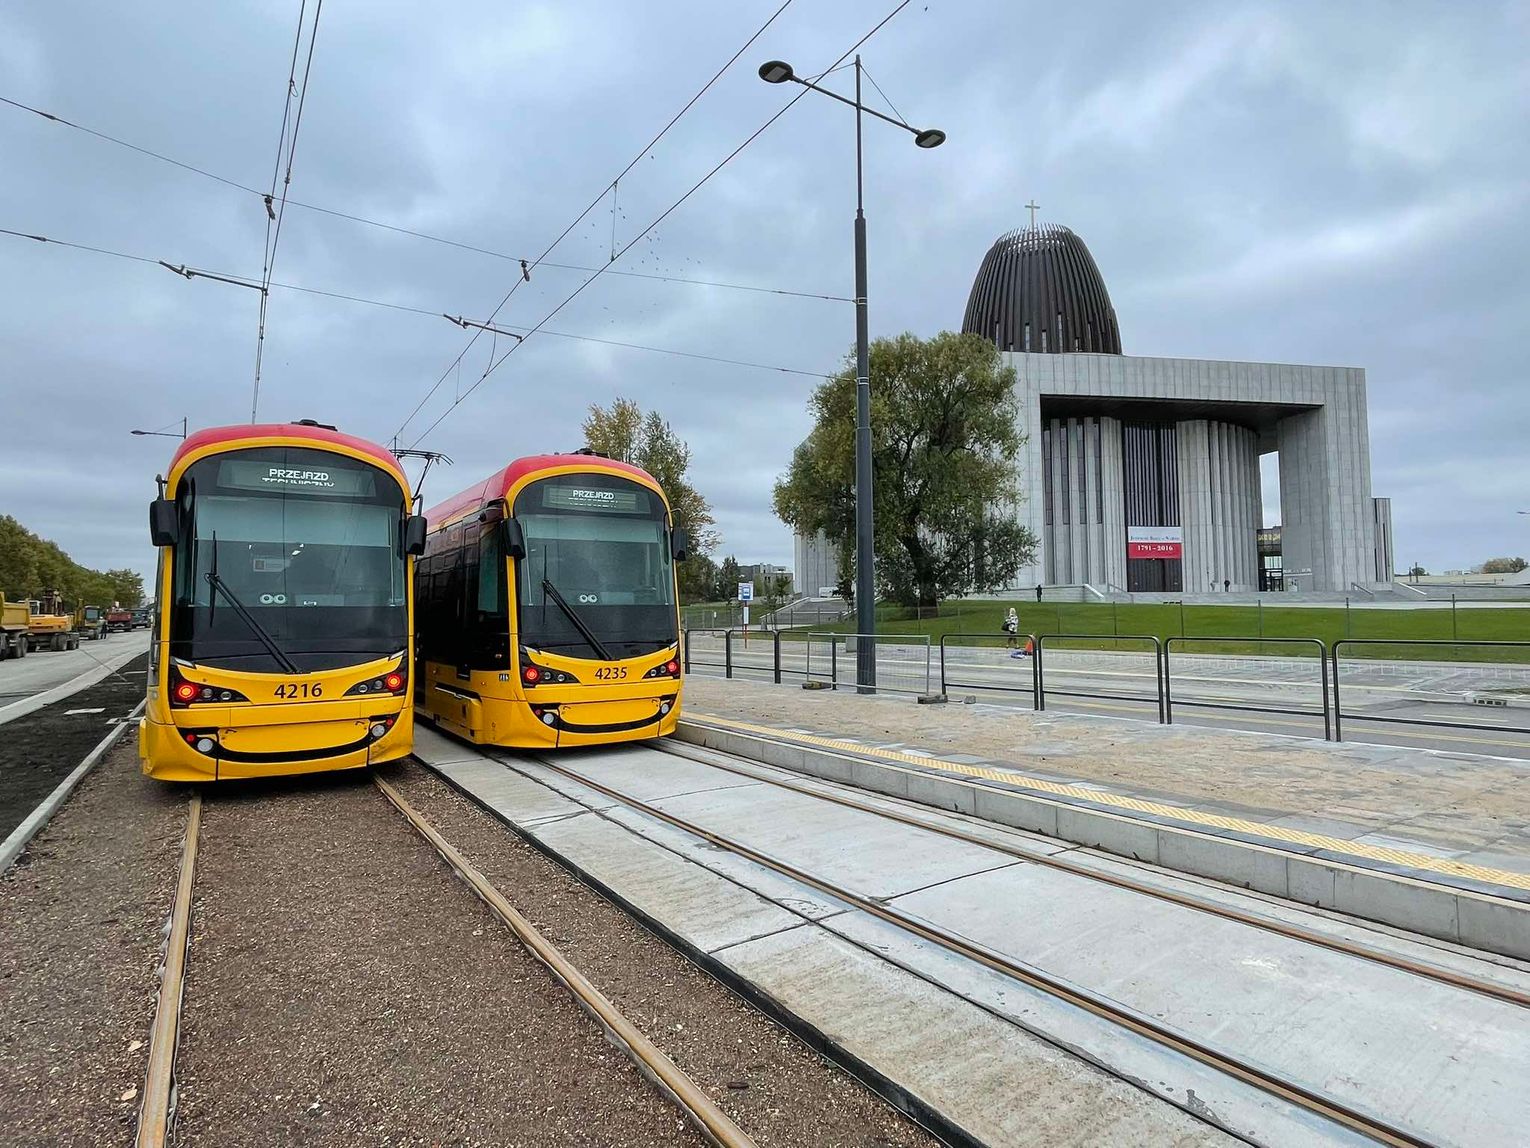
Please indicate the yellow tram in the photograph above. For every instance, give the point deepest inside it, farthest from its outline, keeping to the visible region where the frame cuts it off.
(547, 606)
(283, 636)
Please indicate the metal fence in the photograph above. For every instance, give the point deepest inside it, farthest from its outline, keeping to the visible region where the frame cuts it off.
(1338, 703)
(702, 645)
(1000, 676)
(1222, 704)
(904, 661)
(1041, 679)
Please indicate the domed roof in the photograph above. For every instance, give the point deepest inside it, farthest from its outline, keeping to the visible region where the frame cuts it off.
(1039, 290)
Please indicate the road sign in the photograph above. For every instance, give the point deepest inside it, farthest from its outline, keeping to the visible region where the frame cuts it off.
(746, 591)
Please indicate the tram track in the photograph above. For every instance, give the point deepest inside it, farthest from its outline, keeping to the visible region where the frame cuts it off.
(1495, 990)
(1312, 1100)
(156, 1119)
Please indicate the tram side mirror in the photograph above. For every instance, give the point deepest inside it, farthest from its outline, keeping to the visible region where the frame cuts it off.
(514, 539)
(414, 534)
(679, 545)
(164, 523)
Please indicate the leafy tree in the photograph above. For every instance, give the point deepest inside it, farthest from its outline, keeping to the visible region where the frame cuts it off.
(31, 566)
(624, 432)
(1417, 571)
(944, 444)
(1503, 565)
(727, 579)
(697, 579)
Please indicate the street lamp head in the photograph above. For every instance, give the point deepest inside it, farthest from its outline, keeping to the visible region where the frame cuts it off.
(930, 137)
(776, 72)
(138, 432)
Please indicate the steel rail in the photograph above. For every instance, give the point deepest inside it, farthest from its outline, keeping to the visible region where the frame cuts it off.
(709, 1119)
(1506, 993)
(1296, 1094)
(159, 1079)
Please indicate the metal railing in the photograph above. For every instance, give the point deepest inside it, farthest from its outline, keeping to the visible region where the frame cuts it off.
(1040, 669)
(772, 638)
(909, 670)
(948, 679)
(690, 659)
(1338, 704)
(1322, 657)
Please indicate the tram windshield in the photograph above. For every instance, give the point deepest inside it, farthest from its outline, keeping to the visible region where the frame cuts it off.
(597, 580)
(288, 557)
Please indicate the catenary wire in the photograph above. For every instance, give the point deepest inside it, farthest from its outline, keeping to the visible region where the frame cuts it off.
(281, 212)
(548, 250)
(493, 366)
(426, 236)
(436, 313)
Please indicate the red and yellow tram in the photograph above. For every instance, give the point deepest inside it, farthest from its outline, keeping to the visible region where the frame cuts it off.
(547, 606)
(283, 640)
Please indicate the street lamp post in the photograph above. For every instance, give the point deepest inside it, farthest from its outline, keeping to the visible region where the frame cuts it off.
(780, 72)
(164, 434)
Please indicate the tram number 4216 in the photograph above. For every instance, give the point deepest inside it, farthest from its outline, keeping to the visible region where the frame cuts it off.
(610, 673)
(300, 690)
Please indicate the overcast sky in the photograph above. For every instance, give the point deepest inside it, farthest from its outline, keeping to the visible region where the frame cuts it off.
(1320, 183)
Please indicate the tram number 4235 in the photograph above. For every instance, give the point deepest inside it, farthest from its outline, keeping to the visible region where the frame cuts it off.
(300, 690)
(610, 673)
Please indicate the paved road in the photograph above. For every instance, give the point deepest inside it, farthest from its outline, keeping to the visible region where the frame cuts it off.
(22, 677)
(1369, 694)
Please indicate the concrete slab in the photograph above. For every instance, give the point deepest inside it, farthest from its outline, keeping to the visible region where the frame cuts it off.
(996, 1083)
(1433, 1057)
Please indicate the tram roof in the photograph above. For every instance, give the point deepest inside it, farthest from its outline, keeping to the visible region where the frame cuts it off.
(231, 435)
(502, 482)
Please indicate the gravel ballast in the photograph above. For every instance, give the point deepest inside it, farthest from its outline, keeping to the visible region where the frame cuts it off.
(778, 1090)
(80, 933)
(344, 988)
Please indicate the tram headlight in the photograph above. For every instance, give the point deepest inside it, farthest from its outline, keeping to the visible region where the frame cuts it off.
(392, 682)
(185, 693)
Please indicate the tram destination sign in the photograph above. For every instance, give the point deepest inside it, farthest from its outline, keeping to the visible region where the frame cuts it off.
(308, 478)
(599, 499)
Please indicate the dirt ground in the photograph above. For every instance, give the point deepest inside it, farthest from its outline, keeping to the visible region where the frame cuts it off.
(774, 1086)
(1456, 801)
(80, 920)
(39, 749)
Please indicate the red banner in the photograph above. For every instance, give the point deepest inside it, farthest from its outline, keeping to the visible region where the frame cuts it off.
(1154, 550)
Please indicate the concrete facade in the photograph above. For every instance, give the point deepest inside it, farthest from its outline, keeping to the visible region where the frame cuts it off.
(816, 564)
(1225, 415)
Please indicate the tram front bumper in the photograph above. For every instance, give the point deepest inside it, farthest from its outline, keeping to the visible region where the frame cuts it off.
(200, 750)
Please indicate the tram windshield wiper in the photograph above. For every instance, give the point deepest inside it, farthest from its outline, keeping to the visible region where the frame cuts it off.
(221, 587)
(584, 631)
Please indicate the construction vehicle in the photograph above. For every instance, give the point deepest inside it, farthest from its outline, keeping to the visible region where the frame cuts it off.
(52, 627)
(15, 626)
(119, 619)
(90, 622)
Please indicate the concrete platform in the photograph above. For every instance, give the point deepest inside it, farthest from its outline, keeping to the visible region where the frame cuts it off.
(983, 1057)
(1438, 844)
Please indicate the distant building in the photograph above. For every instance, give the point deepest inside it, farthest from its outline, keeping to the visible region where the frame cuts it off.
(761, 573)
(1143, 473)
(817, 563)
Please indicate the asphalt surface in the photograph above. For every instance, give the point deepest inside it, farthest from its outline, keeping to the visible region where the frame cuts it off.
(39, 749)
(23, 677)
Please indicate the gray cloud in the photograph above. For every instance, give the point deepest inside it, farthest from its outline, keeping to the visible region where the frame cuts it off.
(1307, 183)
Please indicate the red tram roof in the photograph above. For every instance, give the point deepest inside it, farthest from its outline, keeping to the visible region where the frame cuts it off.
(501, 482)
(214, 436)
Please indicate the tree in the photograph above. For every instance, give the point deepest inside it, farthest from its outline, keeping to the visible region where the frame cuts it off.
(727, 579)
(31, 566)
(697, 579)
(944, 444)
(1504, 565)
(625, 433)
(1417, 571)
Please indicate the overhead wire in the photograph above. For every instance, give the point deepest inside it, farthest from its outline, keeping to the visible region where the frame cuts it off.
(437, 313)
(413, 233)
(274, 235)
(493, 366)
(548, 250)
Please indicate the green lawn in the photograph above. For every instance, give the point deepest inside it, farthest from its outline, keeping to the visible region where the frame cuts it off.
(1109, 620)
